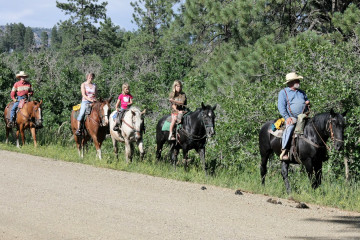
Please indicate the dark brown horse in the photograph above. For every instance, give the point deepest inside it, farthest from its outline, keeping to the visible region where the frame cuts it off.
(29, 116)
(96, 126)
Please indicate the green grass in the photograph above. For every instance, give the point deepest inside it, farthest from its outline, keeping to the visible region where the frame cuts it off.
(331, 193)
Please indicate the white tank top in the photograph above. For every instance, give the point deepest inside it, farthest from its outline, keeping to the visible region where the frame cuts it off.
(90, 92)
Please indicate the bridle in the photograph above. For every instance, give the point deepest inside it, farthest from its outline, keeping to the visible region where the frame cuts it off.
(101, 116)
(196, 137)
(133, 124)
(29, 118)
(329, 128)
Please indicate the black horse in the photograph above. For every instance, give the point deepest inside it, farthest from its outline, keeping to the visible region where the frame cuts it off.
(311, 147)
(196, 127)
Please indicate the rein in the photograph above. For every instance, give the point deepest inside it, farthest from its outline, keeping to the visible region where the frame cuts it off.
(193, 136)
(329, 128)
(27, 117)
(132, 127)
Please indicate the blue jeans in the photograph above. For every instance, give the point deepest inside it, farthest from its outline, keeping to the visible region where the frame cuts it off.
(287, 133)
(15, 106)
(82, 110)
(116, 113)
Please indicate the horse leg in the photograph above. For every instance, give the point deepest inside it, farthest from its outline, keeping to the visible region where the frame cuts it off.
(201, 152)
(310, 171)
(115, 146)
(159, 149)
(128, 149)
(33, 134)
(141, 149)
(97, 147)
(318, 174)
(186, 160)
(17, 138)
(263, 166)
(7, 135)
(174, 154)
(284, 173)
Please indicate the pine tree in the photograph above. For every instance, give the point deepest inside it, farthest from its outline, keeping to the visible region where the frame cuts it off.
(29, 40)
(55, 40)
(84, 13)
(44, 39)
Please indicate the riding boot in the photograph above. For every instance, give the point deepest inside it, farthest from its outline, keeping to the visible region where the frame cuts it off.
(171, 137)
(78, 132)
(284, 155)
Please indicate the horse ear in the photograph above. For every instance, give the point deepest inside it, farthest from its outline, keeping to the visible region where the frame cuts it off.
(344, 113)
(214, 107)
(332, 113)
(109, 100)
(202, 105)
(133, 112)
(40, 102)
(143, 112)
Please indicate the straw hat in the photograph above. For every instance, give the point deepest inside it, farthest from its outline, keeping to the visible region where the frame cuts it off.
(291, 77)
(21, 74)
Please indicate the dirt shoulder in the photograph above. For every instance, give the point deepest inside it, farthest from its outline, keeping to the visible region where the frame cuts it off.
(42, 198)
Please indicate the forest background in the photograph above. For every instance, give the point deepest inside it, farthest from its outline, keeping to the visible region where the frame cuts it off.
(230, 53)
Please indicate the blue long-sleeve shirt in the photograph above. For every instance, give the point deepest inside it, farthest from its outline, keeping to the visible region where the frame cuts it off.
(297, 99)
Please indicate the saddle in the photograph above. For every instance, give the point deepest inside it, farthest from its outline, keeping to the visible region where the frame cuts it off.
(178, 123)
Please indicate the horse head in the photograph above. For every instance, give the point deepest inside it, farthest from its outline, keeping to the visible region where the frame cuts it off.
(208, 118)
(36, 113)
(104, 112)
(137, 119)
(335, 126)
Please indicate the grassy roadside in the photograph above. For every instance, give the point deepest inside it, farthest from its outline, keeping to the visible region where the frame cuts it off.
(331, 193)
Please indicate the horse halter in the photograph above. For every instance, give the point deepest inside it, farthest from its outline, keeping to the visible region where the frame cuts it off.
(329, 128)
(133, 124)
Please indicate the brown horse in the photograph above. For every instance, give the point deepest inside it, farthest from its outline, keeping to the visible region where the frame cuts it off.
(96, 126)
(29, 116)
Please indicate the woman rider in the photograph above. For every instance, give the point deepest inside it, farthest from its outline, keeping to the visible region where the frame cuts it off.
(89, 93)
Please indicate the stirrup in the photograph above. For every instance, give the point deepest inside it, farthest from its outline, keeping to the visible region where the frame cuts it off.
(78, 132)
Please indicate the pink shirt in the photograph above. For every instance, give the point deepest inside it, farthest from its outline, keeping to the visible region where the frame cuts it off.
(125, 99)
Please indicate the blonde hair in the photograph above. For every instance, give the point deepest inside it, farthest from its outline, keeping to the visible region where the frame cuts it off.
(125, 85)
(173, 91)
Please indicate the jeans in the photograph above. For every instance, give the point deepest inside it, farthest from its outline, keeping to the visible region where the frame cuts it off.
(287, 133)
(117, 112)
(82, 110)
(15, 106)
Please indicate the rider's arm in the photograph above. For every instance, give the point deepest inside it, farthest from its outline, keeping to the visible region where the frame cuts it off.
(130, 101)
(282, 105)
(117, 104)
(13, 92)
(83, 92)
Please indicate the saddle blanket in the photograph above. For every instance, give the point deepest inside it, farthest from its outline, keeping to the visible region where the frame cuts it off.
(278, 133)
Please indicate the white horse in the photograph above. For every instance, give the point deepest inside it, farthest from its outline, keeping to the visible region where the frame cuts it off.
(131, 131)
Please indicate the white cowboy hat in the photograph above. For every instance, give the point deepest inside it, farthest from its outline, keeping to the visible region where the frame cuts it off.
(21, 74)
(291, 77)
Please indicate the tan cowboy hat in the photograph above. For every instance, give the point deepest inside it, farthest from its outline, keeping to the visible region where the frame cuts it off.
(21, 74)
(291, 77)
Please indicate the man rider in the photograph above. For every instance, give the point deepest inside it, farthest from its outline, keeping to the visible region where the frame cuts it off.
(21, 90)
(291, 102)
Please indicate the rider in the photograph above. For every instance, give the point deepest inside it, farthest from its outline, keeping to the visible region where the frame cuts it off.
(291, 102)
(178, 103)
(21, 90)
(125, 98)
(88, 92)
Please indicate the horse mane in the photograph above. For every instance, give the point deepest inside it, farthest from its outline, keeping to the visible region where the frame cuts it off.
(320, 120)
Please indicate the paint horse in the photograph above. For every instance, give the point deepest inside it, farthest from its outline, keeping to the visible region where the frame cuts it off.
(28, 116)
(95, 126)
(132, 129)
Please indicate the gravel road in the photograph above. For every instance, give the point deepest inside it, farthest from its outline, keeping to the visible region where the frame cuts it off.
(43, 198)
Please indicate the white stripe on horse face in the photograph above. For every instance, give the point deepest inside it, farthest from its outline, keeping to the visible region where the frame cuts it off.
(39, 113)
(106, 109)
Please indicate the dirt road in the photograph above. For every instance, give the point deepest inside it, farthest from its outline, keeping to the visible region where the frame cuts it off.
(46, 199)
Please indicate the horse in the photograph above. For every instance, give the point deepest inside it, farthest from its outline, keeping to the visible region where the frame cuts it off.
(28, 116)
(310, 147)
(196, 127)
(96, 126)
(132, 129)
